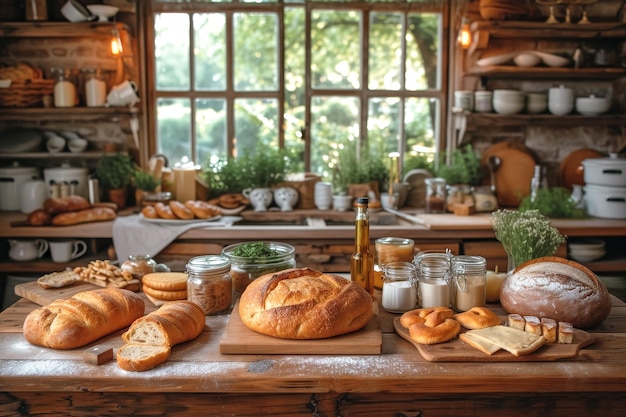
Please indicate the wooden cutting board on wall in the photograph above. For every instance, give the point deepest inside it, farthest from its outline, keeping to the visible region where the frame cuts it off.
(238, 339)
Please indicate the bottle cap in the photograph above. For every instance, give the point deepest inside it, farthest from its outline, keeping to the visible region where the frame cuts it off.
(362, 200)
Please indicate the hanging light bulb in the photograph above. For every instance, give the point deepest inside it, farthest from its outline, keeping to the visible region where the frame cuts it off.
(465, 35)
(116, 42)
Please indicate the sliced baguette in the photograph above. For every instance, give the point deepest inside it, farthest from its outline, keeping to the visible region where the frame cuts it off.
(141, 357)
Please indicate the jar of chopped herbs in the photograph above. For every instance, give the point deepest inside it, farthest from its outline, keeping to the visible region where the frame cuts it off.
(250, 260)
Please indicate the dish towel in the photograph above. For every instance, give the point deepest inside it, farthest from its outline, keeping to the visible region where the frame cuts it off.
(131, 236)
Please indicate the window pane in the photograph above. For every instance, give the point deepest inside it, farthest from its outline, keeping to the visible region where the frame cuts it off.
(383, 124)
(256, 52)
(256, 124)
(210, 51)
(171, 50)
(420, 120)
(336, 49)
(423, 52)
(211, 129)
(334, 124)
(174, 128)
(385, 54)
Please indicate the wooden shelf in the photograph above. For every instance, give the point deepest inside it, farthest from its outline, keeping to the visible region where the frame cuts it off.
(48, 155)
(563, 73)
(59, 29)
(501, 120)
(61, 114)
(542, 30)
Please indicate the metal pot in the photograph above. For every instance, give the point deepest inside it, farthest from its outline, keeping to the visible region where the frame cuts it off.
(605, 202)
(605, 171)
(11, 180)
(76, 178)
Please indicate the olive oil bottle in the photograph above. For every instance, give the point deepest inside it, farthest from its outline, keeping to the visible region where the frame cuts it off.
(362, 262)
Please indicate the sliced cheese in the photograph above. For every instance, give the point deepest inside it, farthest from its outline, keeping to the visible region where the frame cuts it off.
(484, 345)
(515, 341)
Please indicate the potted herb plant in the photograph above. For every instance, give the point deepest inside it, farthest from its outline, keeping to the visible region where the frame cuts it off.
(115, 173)
(145, 183)
(461, 173)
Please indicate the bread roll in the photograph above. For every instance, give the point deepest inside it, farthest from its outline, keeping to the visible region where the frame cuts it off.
(304, 304)
(85, 317)
(65, 204)
(557, 288)
(39, 217)
(84, 216)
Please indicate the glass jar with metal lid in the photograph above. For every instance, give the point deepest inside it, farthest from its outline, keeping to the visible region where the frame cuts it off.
(469, 276)
(209, 284)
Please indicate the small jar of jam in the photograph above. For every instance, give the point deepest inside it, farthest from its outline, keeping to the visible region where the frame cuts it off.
(139, 265)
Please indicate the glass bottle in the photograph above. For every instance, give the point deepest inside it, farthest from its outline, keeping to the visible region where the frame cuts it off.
(362, 262)
(64, 88)
(435, 195)
(390, 249)
(469, 277)
(209, 284)
(433, 275)
(398, 293)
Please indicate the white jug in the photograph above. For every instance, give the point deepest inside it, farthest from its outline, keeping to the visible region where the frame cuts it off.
(124, 94)
(27, 250)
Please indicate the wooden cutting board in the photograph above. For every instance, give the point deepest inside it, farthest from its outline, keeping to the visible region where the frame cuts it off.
(44, 296)
(238, 339)
(458, 351)
(452, 222)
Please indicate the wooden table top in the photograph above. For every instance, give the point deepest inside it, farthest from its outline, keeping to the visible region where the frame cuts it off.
(198, 366)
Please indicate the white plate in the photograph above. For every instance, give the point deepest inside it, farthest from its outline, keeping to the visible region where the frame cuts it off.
(176, 221)
(496, 59)
(552, 60)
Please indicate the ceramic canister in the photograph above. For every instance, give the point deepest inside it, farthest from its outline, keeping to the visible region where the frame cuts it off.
(11, 180)
(32, 195)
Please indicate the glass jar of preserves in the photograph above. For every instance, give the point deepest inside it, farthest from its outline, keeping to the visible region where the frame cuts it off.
(399, 294)
(469, 277)
(435, 195)
(250, 260)
(64, 88)
(209, 284)
(139, 265)
(391, 249)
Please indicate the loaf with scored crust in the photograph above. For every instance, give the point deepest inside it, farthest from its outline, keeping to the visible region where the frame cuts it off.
(556, 288)
(85, 317)
(303, 303)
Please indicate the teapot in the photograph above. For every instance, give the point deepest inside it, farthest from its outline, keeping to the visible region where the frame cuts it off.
(124, 94)
(27, 250)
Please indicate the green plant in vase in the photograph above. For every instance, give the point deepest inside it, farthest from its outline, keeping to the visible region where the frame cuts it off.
(115, 173)
(145, 183)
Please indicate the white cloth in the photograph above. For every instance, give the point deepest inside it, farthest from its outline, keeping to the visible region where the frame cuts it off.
(132, 236)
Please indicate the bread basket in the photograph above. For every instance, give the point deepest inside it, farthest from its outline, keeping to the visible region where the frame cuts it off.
(26, 93)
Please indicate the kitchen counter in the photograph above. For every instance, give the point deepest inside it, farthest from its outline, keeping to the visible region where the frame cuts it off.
(198, 380)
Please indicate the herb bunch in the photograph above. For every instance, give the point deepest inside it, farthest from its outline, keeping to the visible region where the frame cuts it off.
(525, 235)
(255, 250)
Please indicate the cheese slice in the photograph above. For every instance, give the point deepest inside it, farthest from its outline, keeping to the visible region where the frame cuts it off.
(484, 345)
(515, 341)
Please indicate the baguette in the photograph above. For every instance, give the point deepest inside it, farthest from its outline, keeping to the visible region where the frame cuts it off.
(65, 204)
(84, 216)
(85, 317)
(304, 304)
(149, 339)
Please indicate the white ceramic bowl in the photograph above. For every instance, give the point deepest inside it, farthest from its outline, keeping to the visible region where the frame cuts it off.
(587, 256)
(587, 244)
(526, 59)
(74, 11)
(103, 11)
(77, 145)
(55, 144)
(501, 106)
(592, 106)
(536, 103)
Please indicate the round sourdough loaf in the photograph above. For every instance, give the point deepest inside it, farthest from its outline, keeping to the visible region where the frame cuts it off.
(557, 288)
(304, 304)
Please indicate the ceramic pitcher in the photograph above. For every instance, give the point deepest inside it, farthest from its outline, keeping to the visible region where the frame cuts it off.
(286, 198)
(260, 198)
(27, 250)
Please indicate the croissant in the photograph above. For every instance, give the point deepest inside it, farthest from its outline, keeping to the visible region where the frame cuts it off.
(85, 317)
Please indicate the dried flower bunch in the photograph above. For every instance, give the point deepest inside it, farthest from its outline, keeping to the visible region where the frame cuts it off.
(525, 235)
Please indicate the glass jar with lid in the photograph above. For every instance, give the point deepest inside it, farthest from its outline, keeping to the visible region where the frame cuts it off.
(399, 294)
(139, 265)
(209, 284)
(95, 87)
(435, 195)
(433, 276)
(250, 260)
(64, 88)
(391, 249)
(469, 277)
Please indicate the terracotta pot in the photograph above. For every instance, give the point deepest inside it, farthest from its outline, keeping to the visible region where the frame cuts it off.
(118, 197)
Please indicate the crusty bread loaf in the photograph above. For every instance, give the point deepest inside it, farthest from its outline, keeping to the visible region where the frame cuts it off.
(304, 304)
(557, 288)
(39, 217)
(65, 204)
(88, 215)
(85, 317)
(149, 339)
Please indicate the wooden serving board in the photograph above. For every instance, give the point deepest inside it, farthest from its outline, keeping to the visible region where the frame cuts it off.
(480, 221)
(458, 351)
(238, 339)
(44, 296)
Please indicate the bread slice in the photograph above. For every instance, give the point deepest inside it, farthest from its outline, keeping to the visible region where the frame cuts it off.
(566, 332)
(533, 325)
(548, 329)
(484, 345)
(141, 357)
(58, 279)
(515, 341)
(516, 321)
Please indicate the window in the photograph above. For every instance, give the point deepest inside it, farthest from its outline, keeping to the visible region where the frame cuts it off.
(310, 77)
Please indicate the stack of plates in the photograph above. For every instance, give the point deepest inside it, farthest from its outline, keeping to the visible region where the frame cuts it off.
(587, 250)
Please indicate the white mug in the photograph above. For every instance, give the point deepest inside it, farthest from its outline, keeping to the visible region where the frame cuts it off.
(66, 250)
(124, 94)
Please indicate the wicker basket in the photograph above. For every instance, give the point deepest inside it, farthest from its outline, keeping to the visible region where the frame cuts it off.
(26, 93)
